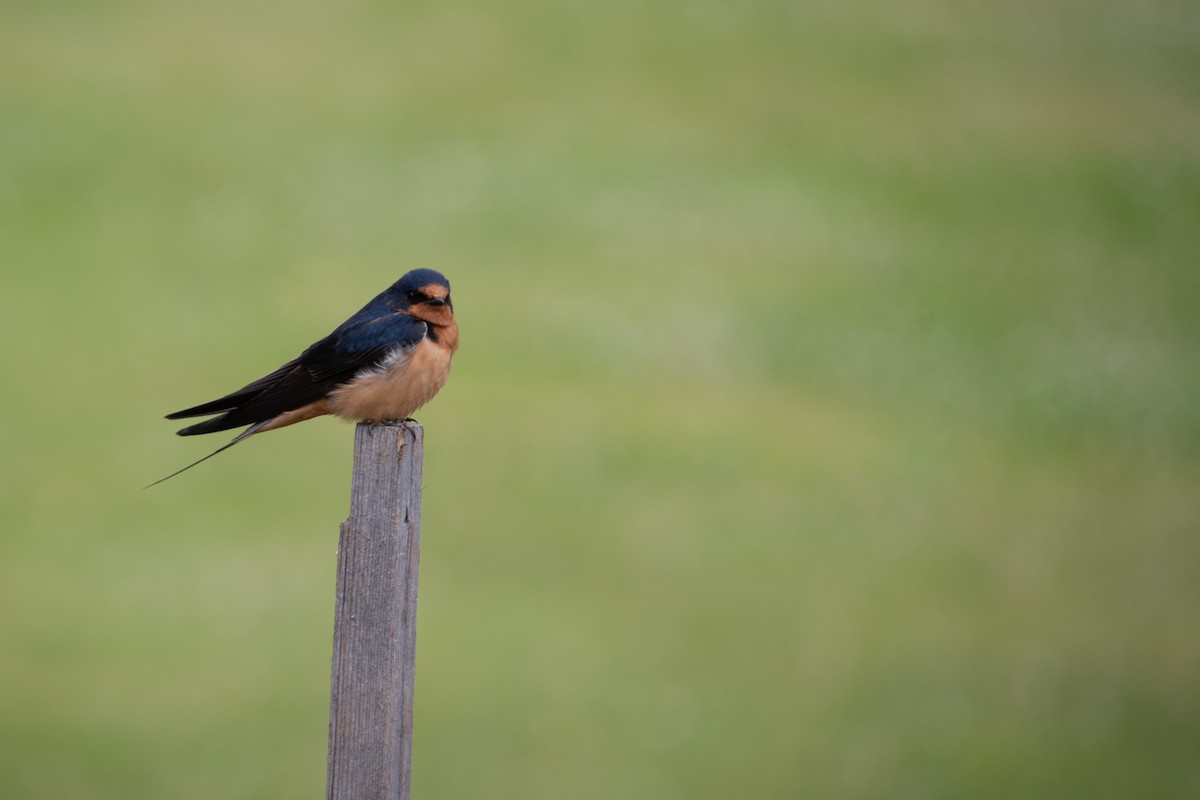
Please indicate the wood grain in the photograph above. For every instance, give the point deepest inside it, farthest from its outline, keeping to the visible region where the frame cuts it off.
(374, 629)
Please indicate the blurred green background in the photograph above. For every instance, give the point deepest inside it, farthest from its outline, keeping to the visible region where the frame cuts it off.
(826, 424)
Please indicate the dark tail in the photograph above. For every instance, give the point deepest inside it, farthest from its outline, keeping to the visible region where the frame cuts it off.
(253, 429)
(223, 422)
(233, 400)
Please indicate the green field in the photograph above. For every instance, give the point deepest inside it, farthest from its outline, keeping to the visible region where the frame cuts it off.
(826, 422)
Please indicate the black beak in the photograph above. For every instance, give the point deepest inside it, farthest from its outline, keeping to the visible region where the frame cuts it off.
(438, 301)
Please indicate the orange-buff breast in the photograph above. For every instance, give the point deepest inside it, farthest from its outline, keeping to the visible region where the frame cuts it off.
(395, 392)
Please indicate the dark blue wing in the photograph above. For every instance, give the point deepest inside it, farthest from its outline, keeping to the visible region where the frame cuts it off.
(359, 345)
(354, 348)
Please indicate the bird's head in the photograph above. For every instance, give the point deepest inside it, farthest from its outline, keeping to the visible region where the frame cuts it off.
(425, 293)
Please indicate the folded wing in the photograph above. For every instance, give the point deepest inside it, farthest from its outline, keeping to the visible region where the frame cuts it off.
(356, 347)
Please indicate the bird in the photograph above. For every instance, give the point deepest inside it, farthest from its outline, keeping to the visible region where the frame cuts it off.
(383, 363)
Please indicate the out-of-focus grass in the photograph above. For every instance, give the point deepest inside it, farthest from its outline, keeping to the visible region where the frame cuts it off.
(826, 421)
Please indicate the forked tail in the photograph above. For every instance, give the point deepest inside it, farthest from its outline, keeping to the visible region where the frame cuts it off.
(253, 429)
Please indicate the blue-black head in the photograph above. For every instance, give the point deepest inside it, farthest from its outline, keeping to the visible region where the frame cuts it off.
(422, 287)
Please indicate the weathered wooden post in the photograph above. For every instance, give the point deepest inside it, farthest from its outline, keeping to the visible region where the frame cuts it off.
(375, 618)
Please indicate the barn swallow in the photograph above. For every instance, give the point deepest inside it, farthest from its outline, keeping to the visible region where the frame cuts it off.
(383, 363)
